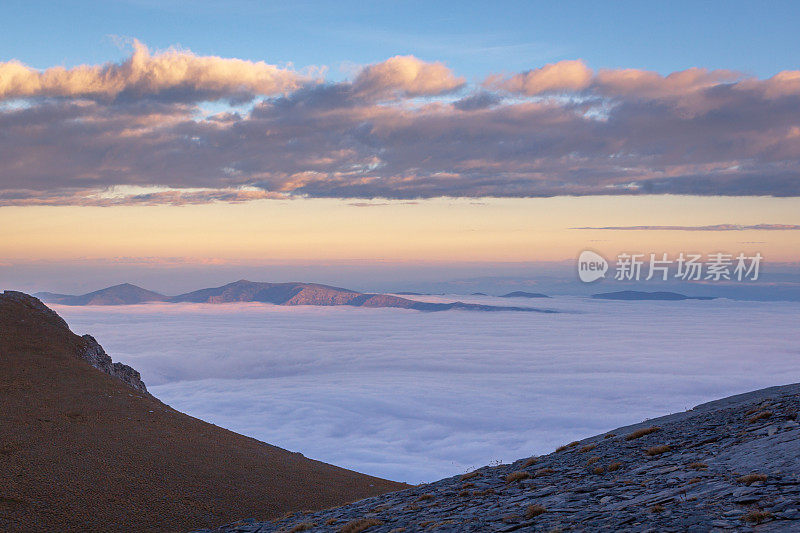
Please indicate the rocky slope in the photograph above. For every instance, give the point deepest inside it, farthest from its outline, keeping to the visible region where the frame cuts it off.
(732, 464)
(83, 447)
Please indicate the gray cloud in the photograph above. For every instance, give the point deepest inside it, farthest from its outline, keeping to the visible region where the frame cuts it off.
(479, 100)
(389, 133)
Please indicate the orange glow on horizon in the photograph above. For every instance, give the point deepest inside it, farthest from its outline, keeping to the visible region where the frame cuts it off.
(441, 230)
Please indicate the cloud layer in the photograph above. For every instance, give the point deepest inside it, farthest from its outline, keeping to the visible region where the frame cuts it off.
(403, 128)
(417, 397)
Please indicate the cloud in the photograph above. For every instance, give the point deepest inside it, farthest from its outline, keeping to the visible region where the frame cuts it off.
(575, 76)
(571, 75)
(406, 75)
(102, 198)
(715, 227)
(479, 100)
(418, 397)
(399, 129)
(646, 84)
(174, 74)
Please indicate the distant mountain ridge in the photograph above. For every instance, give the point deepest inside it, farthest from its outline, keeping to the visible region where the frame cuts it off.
(290, 294)
(122, 294)
(641, 295)
(523, 294)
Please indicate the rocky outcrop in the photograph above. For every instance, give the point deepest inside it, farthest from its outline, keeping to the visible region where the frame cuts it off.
(731, 464)
(94, 354)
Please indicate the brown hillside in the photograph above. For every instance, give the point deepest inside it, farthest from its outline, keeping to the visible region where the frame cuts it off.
(83, 451)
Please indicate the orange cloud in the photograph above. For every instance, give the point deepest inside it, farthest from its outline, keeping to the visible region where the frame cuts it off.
(785, 83)
(407, 75)
(649, 84)
(180, 73)
(574, 75)
(571, 75)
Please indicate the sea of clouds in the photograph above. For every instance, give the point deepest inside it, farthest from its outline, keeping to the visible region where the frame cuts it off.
(416, 396)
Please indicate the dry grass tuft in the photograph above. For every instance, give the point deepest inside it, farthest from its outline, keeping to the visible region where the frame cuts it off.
(534, 510)
(756, 517)
(642, 432)
(517, 476)
(530, 462)
(751, 478)
(424, 497)
(698, 466)
(760, 416)
(694, 480)
(609, 435)
(465, 493)
(330, 521)
(362, 524)
(613, 467)
(484, 492)
(305, 526)
(598, 470)
(567, 446)
(544, 472)
(470, 475)
(657, 450)
(467, 485)
(657, 508)
(592, 460)
(588, 448)
(756, 409)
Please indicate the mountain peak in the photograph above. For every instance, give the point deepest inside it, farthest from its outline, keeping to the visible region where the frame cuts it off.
(33, 306)
(122, 294)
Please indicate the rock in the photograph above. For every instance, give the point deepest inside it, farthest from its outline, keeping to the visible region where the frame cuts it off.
(94, 354)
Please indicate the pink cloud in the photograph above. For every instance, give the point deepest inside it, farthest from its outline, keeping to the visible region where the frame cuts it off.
(175, 71)
(571, 75)
(407, 75)
(647, 84)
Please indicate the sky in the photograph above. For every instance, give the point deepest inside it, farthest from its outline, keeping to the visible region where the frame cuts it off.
(154, 136)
